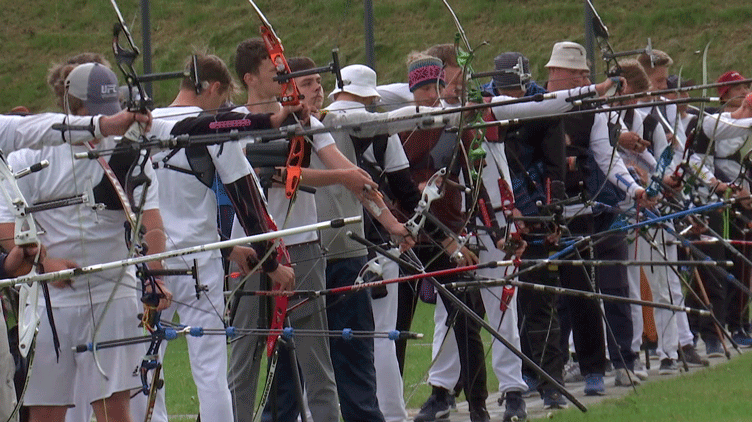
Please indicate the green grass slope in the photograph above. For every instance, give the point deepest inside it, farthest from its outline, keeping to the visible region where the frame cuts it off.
(36, 34)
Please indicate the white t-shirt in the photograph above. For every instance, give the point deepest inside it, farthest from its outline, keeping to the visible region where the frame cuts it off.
(35, 131)
(304, 208)
(731, 136)
(78, 233)
(188, 207)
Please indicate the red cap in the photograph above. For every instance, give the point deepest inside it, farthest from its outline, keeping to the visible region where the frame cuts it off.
(729, 76)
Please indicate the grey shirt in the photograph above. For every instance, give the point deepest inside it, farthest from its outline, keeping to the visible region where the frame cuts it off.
(336, 201)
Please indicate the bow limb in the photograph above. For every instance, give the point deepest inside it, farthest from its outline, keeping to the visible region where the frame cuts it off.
(475, 154)
(701, 115)
(460, 30)
(151, 322)
(25, 233)
(289, 96)
(136, 176)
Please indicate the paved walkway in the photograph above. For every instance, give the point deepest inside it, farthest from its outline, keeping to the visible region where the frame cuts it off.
(535, 404)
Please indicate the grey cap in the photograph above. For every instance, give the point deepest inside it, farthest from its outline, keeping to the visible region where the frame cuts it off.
(96, 86)
(509, 61)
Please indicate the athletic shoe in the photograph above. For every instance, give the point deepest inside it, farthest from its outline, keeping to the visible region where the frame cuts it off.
(552, 399)
(713, 348)
(594, 385)
(668, 367)
(653, 353)
(532, 386)
(478, 413)
(640, 371)
(742, 338)
(691, 357)
(625, 378)
(515, 407)
(436, 408)
(572, 372)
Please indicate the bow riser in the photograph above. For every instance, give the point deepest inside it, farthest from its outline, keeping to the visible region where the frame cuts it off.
(290, 95)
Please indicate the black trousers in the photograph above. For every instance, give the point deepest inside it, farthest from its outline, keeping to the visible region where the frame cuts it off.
(466, 331)
(539, 321)
(579, 314)
(613, 280)
(407, 301)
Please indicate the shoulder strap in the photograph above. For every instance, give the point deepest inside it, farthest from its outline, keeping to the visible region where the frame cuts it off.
(201, 164)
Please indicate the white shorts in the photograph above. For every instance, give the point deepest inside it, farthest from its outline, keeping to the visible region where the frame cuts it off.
(55, 383)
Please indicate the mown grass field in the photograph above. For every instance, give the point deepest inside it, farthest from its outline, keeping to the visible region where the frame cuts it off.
(181, 392)
(717, 394)
(34, 35)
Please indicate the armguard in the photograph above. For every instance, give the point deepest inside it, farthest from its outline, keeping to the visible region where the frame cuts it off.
(250, 208)
(222, 122)
(244, 194)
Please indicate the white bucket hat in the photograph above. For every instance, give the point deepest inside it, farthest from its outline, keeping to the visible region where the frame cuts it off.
(358, 80)
(568, 55)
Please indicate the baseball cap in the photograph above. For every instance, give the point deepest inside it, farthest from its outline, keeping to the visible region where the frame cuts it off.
(729, 76)
(508, 61)
(95, 85)
(358, 80)
(568, 55)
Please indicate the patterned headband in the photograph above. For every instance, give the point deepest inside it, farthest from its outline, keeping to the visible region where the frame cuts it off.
(425, 71)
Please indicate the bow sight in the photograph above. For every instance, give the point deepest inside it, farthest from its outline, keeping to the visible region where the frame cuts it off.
(138, 98)
(333, 67)
(607, 51)
(518, 69)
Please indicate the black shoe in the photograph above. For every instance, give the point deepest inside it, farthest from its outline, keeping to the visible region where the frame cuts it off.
(436, 408)
(713, 348)
(515, 407)
(552, 399)
(668, 367)
(479, 414)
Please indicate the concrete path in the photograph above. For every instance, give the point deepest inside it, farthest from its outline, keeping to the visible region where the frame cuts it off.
(535, 404)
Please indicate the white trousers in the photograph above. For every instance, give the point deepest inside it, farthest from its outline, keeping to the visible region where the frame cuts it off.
(506, 365)
(389, 385)
(665, 286)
